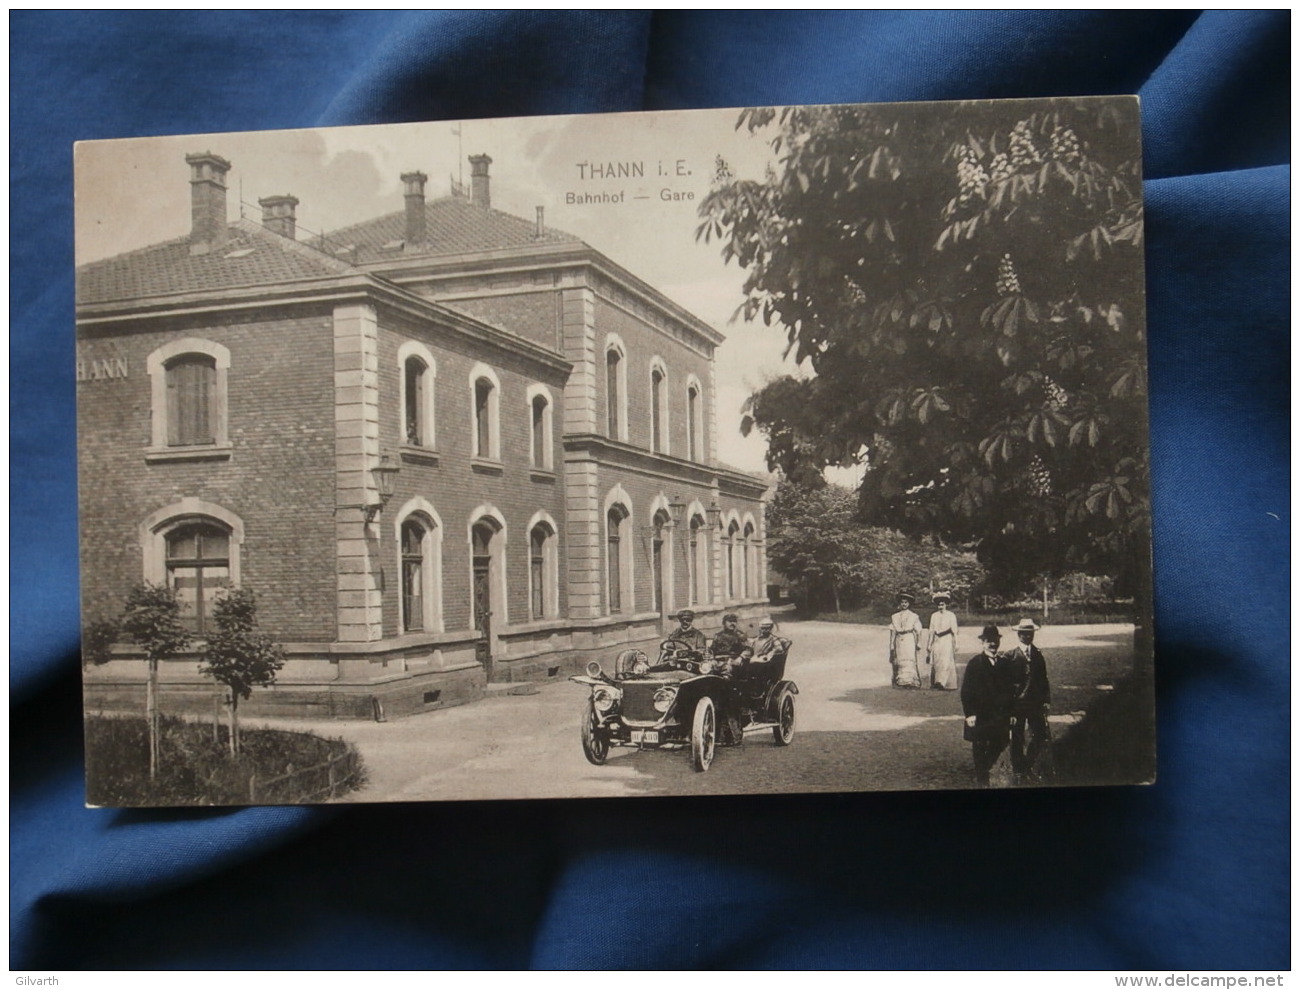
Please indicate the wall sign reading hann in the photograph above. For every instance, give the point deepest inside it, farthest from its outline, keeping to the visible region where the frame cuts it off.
(100, 368)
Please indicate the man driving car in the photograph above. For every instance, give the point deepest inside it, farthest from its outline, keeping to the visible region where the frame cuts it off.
(686, 636)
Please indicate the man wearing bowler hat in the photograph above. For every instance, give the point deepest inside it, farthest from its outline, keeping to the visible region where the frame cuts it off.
(1031, 704)
(987, 693)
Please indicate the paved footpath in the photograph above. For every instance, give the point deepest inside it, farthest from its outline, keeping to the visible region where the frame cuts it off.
(854, 732)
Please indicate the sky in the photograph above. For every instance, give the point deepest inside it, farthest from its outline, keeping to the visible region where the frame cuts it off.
(659, 166)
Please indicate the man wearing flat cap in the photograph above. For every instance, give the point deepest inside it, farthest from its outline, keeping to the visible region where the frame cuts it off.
(686, 635)
(987, 693)
(731, 642)
(1033, 700)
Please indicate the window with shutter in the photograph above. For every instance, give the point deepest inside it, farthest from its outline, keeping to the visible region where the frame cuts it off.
(191, 400)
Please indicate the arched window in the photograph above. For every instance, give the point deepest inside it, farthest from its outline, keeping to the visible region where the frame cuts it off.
(697, 559)
(198, 567)
(658, 406)
(483, 418)
(541, 435)
(733, 536)
(543, 571)
(693, 433)
(747, 561)
(657, 553)
(614, 396)
(189, 394)
(414, 378)
(413, 575)
(418, 531)
(481, 536)
(418, 373)
(656, 410)
(539, 430)
(486, 418)
(489, 594)
(617, 547)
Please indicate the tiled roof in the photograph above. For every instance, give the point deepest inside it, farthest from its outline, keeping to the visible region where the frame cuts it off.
(252, 256)
(453, 225)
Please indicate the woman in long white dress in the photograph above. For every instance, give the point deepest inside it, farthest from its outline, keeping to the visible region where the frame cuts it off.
(905, 632)
(942, 646)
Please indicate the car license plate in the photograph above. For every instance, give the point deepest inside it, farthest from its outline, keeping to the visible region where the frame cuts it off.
(645, 736)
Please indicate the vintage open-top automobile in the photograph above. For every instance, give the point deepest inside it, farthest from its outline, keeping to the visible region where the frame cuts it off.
(686, 699)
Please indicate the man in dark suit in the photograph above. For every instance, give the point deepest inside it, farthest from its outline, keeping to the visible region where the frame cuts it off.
(1032, 702)
(987, 692)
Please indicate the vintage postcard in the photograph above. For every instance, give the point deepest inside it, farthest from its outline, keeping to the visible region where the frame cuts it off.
(773, 450)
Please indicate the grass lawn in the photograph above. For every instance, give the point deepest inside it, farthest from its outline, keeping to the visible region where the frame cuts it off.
(196, 768)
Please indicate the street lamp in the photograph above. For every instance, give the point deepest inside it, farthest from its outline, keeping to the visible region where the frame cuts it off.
(715, 514)
(383, 473)
(677, 509)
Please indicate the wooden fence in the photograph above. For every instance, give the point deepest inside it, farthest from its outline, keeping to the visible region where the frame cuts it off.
(261, 791)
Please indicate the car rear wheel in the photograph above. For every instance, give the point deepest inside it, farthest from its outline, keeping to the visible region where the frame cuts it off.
(595, 744)
(783, 731)
(704, 734)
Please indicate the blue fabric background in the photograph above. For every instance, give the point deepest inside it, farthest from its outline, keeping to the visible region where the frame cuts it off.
(1191, 873)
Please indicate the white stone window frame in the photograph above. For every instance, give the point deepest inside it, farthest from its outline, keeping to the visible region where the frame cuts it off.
(613, 342)
(156, 366)
(428, 411)
(155, 528)
(481, 372)
(695, 439)
(732, 572)
(535, 391)
(431, 604)
(699, 577)
(661, 509)
(617, 496)
(550, 566)
(659, 404)
(497, 566)
(749, 539)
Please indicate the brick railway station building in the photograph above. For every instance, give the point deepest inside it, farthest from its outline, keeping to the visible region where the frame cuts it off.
(446, 447)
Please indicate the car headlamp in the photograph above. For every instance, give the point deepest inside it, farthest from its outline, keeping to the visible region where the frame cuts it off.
(603, 699)
(706, 666)
(663, 699)
(640, 667)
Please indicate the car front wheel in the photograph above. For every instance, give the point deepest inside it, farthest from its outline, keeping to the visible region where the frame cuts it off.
(595, 744)
(703, 734)
(783, 731)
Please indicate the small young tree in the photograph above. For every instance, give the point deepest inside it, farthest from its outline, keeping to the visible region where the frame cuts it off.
(237, 654)
(152, 617)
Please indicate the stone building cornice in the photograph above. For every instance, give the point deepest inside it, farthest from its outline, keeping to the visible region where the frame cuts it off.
(96, 319)
(616, 453)
(544, 257)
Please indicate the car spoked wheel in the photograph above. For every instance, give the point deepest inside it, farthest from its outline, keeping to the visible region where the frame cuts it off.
(595, 744)
(704, 734)
(783, 731)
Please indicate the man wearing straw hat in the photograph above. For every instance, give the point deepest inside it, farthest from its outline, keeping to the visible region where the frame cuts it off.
(1031, 704)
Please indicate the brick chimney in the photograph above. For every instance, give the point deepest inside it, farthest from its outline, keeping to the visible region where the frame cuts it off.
(209, 229)
(540, 230)
(413, 185)
(480, 193)
(279, 215)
